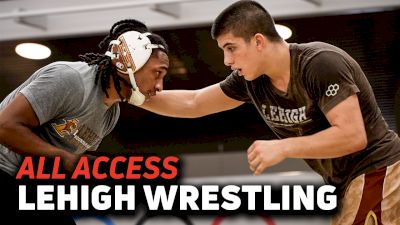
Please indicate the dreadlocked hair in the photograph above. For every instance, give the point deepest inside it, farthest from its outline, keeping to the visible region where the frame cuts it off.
(158, 40)
(105, 67)
(121, 27)
(104, 70)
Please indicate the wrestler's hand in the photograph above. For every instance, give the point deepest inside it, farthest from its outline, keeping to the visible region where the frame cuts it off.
(263, 154)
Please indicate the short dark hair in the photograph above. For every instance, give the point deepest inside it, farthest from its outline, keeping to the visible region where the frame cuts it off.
(105, 67)
(244, 19)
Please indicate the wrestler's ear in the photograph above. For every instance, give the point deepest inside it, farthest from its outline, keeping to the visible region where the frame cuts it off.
(260, 40)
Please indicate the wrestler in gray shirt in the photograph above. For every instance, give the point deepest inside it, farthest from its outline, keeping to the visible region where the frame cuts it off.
(70, 109)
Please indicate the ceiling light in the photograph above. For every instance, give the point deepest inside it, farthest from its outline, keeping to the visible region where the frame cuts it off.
(283, 31)
(33, 51)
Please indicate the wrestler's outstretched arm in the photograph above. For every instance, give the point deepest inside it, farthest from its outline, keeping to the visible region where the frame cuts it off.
(191, 103)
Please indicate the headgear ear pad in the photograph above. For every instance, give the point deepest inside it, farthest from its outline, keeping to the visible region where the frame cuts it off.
(129, 53)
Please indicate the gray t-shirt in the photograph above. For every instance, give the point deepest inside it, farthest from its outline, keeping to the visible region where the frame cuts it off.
(70, 108)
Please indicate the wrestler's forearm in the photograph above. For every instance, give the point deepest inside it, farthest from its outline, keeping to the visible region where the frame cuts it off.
(22, 140)
(173, 103)
(330, 143)
(191, 103)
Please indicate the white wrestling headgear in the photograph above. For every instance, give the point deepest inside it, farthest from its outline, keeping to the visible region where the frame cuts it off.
(129, 53)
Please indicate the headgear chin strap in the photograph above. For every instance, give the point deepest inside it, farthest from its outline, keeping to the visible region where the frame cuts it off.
(129, 53)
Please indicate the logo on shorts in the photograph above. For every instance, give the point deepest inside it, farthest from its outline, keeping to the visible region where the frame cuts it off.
(332, 90)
